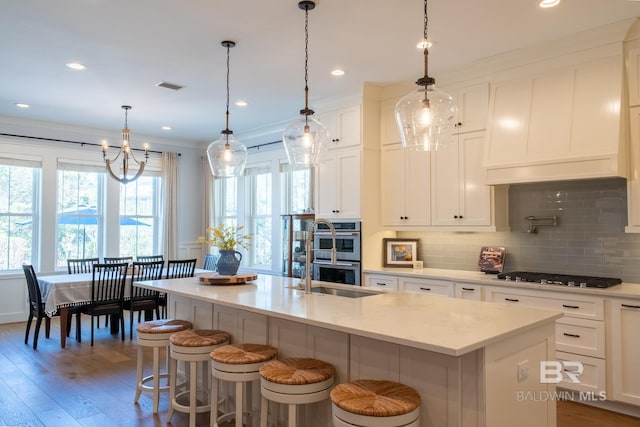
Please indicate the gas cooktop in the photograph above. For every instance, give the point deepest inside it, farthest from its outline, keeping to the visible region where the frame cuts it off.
(559, 279)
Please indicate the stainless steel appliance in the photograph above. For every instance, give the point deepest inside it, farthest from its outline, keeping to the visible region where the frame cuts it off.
(348, 253)
(560, 279)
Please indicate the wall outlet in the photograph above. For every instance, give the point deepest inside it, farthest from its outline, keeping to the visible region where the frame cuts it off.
(523, 370)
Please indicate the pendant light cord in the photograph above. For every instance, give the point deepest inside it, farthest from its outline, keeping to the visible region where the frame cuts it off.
(426, 80)
(228, 54)
(306, 112)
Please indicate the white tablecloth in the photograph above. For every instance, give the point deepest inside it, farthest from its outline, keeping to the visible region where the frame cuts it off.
(65, 290)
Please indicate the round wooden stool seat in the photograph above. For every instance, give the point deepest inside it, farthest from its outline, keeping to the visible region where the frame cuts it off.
(240, 364)
(191, 347)
(375, 403)
(155, 334)
(294, 381)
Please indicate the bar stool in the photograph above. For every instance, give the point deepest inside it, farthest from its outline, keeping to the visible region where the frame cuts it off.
(191, 347)
(237, 363)
(155, 334)
(375, 403)
(294, 381)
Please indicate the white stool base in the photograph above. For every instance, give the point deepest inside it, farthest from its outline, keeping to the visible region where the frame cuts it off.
(342, 418)
(291, 395)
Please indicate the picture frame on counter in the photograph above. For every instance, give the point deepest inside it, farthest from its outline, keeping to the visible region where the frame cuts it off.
(397, 252)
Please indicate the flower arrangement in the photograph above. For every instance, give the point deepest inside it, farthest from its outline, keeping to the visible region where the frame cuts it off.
(226, 237)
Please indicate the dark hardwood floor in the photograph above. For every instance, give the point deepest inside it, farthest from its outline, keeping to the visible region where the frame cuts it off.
(95, 386)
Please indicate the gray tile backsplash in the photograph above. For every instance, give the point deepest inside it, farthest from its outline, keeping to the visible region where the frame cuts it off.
(589, 238)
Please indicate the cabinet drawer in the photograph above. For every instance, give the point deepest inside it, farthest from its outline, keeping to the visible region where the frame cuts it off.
(593, 378)
(572, 305)
(580, 336)
(426, 286)
(381, 282)
(466, 291)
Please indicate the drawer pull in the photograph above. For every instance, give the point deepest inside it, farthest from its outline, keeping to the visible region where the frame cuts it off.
(571, 306)
(571, 335)
(630, 306)
(425, 289)
(381, 284)
(512, 299)
(468, 289)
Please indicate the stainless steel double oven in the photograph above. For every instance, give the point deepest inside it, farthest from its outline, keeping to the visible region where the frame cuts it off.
(348, 253)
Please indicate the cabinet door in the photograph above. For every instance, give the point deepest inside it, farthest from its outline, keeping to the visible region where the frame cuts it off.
(469, 291)
(473, 105)
(633, 183)
(392, 186)
(426, 286)
(348, 189)
(633, 76)
(476, 197)
(417, 189)
(381, 281)
(445, 175)
(326, 185)
(343, 126)
(625, 350)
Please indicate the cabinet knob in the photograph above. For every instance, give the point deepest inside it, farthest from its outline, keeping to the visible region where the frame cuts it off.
(455, 216)
(335, 140)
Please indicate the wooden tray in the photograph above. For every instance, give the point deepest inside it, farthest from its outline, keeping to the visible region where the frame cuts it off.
(218, 279)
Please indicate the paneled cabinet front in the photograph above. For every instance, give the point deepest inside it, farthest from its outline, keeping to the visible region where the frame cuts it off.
(623, 317)
(405, 186)
(338, 184)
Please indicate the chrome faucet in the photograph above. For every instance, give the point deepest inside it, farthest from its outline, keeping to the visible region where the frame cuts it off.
(309, 251)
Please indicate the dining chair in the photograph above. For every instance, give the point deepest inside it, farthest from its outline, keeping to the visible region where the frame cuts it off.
(210, 261)
(177, 268)
(81, 265)
(141, 299)
(117, 260)
(147, 258)
(107, 293)
(36, 309)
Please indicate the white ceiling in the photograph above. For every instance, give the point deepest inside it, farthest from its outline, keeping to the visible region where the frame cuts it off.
(130, 45)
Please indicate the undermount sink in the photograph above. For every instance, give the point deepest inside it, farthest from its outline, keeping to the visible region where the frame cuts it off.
(341, 292)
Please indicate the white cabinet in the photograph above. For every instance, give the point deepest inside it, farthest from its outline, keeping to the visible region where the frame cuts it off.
(558, 124)
(459, 194)
(426, 286)
(633, 182)
(343, 126)
(381, 281)
(633, 75)
(473, 105)
(580, 334)
(624, 327)
(469, 291)
(405, 187)
(338, 184)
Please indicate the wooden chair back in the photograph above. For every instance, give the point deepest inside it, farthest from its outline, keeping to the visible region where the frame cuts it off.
(81, 265)
(210, 261)
(178, 268)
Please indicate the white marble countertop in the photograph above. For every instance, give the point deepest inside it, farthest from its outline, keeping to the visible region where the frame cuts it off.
(623, 290)
(444, 325)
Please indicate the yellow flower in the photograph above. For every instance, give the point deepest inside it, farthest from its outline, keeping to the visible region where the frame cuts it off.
(226, 237)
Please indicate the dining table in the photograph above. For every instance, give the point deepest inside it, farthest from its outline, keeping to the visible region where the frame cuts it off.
(62, 292)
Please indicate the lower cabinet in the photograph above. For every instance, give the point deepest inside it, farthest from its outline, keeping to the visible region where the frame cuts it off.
(380, 281)
(469, 291)
(623, 317)
(426, 286)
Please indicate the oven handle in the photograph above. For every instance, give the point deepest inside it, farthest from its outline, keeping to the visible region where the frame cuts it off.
(338, 233)
(344, 264)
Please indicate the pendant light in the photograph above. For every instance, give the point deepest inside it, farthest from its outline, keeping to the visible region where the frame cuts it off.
(127, 153)
(304, 139)
(426, 117)
(227, 156)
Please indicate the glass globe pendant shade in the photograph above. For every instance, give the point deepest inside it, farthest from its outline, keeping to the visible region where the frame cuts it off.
(426, 126)
(227, 156)
(304, 140)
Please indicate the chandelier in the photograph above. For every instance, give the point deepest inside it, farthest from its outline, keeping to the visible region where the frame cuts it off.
(426, 117)
(227, 156)
(127, 153)
(304, 139)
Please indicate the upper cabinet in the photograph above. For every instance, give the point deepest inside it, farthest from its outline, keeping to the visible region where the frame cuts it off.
(343, 125)
(472, 102)
(339, 184)
(556, 112)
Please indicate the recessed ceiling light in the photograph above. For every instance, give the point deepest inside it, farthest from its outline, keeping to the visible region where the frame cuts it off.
(548, 3)
(424, 43)
(241, 103)
(22, 105)
(75, 66)
(166, 128)
(337, 72)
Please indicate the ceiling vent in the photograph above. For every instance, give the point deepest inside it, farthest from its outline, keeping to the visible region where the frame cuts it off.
(169, 85)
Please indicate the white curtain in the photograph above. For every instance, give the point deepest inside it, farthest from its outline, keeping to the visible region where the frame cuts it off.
(208, 207)
(170, 204)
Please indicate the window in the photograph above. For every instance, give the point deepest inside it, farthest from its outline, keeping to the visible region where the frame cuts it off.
(259, 221)
(226, 190)
(79, 214)
(19, 183)
(139, 219)
(297, 189)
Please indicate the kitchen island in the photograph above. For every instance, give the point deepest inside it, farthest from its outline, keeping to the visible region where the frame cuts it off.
(473, 363)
